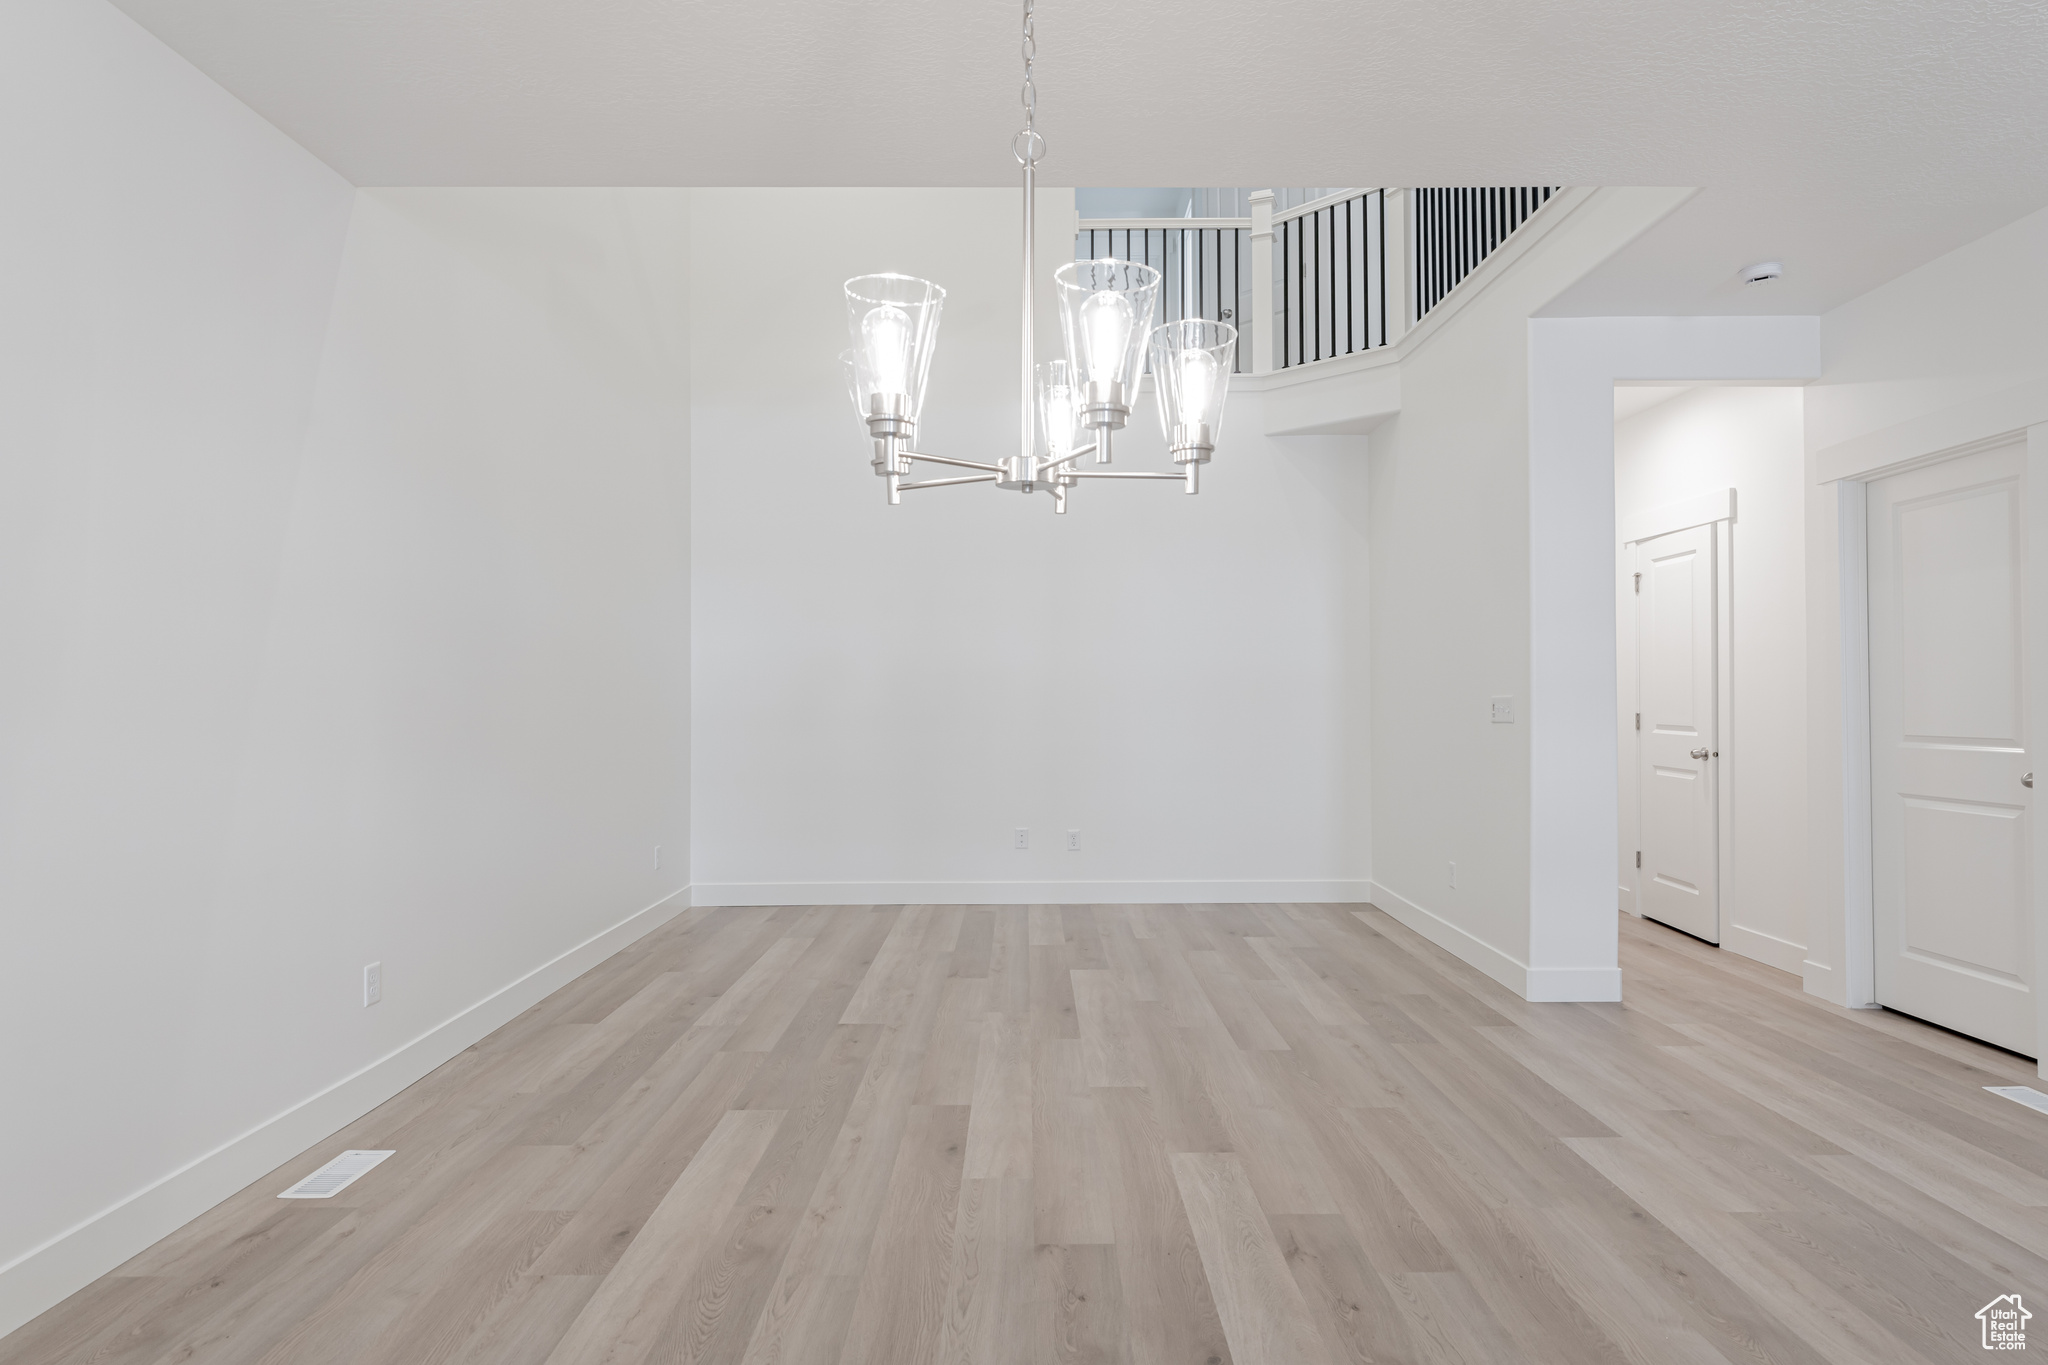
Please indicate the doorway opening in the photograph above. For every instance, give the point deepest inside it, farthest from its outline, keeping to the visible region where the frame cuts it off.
(1711, 670)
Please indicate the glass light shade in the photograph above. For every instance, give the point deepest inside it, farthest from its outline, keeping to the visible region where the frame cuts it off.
(1106, 312)
(1059, 407)
(894, 323)
(1191, 365)
(853, 362)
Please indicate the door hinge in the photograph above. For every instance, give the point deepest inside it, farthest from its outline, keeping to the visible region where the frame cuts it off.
(1639, 720)
(1639, 857)
(1639, 585)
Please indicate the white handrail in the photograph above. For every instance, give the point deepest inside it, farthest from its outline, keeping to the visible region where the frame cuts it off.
(1316, 205)
(1279, 216)
(1156, 224)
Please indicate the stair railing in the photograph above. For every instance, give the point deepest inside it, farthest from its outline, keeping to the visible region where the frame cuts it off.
(1348, 272)
(1205, 266)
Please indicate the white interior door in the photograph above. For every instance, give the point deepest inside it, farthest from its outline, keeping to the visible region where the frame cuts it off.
(1675, 764)
(1951, 819)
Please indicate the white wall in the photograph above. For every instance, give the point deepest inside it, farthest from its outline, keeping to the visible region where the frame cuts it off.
(166, 265)
(1948, 354)
(1493, 532)
(1752, 440)
(343, 542)
(883, 693)
(1493, 522)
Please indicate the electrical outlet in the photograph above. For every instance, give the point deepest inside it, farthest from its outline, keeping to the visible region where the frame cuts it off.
(1021, 839)
(1073, 841)
(1503, 710)
(373, 984)
(1454, 876)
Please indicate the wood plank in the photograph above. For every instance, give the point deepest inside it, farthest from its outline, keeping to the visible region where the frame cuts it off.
(898, 1314)
(1509, 1272)
(999, 1131)
(1169, 1311)
(534, 1318)
(611, 1216)
(1109, 1046)
(976, 941)
(1052, 994)
(755, 984)
(895, 966)
(619, 1325)
(1085, 948)
(818, 1279)
(1009, 962)
(1355, 1311)
(1083, 1316)
(1325, 1004)
(954, 1050)
(1070, 1158)
(990, 1306)
(346, 1324)
(441, 1323)
(1235, 1004)
(1264, 1316)
(716, 1306)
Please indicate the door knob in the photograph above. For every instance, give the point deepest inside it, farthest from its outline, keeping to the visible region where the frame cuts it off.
(1702, 753)
(2026, 779)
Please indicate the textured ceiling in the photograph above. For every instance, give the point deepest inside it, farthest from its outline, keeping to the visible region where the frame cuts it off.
(1873, 106)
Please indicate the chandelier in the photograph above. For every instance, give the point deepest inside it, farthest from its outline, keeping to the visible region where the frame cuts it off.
(1107, 318)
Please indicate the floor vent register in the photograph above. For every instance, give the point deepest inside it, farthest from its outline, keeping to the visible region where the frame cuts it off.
(2022, 1094)
(336, 1176)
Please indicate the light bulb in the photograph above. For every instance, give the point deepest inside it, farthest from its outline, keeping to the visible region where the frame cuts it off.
(1199, 374)
(886, 333)
(1106, 330)
(1059, 419)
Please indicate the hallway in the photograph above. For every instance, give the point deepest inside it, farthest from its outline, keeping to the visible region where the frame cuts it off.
(1251, 1134)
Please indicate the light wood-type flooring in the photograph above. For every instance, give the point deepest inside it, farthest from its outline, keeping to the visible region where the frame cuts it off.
(1178, 1135)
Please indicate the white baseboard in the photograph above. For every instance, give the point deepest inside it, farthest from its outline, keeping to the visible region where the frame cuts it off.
(1768, 949)
(1028, 893)
(1582, 985)
(1822, 980)
(1545, 984)
(45, 1276)
(1505, 968)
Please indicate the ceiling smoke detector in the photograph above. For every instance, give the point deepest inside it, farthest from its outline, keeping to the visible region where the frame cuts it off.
(1761, 271)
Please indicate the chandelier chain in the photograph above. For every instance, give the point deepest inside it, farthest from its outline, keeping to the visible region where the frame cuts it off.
(1029, 145)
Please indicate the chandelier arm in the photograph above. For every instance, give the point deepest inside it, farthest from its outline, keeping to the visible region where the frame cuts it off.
(946, 483)
(947, 459)
(1122, 474)
(1050, 462)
